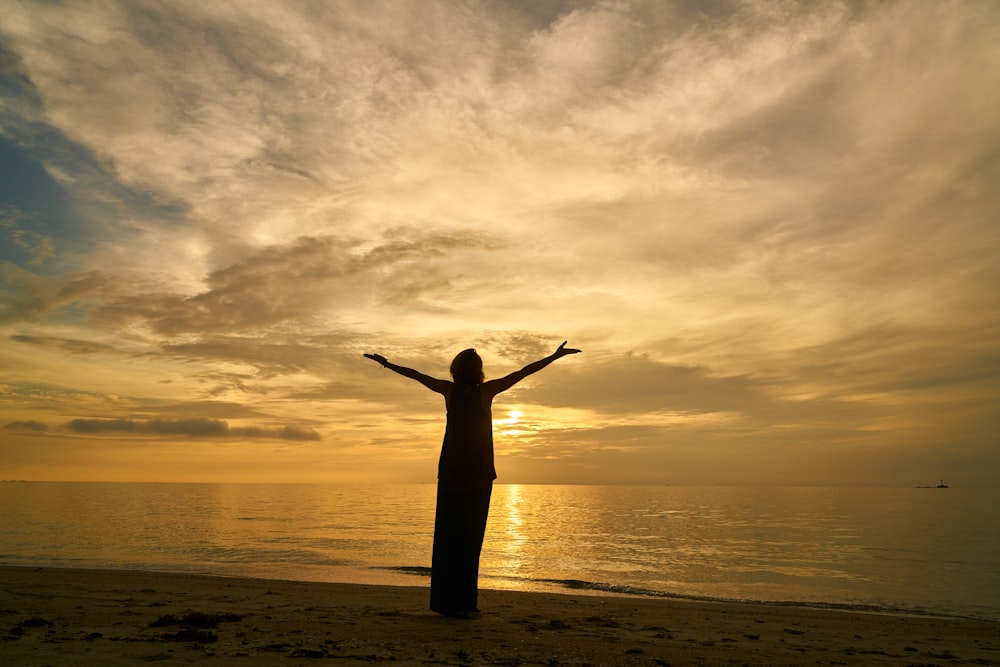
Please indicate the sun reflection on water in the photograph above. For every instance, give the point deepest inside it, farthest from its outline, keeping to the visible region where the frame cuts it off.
(508, 525)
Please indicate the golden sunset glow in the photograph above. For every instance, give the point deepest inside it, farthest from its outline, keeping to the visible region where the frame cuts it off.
(772, 228)
(510, 425)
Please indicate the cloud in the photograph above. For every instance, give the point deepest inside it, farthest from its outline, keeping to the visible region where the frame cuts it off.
(250, 294)
(284, 433)
(637, 384)
(305, 282)
(38, 247)
(29, 425)
(71, 346)
(218, 410)
(29, 296)
(102, 425)
(24, 294)
(195, 428)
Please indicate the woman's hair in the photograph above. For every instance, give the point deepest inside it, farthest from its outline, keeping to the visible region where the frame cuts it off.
(467, 367)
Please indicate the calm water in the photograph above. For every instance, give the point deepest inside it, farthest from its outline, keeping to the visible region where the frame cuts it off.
(916, 550)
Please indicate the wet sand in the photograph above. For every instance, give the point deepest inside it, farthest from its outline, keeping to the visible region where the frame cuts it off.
(98, 617)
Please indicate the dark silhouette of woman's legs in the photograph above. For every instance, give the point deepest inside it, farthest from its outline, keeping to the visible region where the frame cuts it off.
(459, 528)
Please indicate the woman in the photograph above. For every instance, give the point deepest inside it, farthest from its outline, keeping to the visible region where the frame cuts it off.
(465, 474)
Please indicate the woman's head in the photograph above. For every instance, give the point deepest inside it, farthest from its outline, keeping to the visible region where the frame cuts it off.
(467, 367)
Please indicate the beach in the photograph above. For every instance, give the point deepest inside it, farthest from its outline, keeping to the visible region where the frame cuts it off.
(52, 616)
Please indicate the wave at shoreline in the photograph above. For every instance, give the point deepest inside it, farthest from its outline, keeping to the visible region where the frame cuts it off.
(620, 590)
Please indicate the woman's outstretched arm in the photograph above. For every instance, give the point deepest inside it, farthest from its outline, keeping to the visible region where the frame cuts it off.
(440, 386)
(508, 381)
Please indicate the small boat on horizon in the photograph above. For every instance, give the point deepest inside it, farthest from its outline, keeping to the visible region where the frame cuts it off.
(941, 485)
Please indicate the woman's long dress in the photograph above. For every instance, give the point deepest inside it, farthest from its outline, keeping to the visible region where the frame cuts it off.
(465, 483)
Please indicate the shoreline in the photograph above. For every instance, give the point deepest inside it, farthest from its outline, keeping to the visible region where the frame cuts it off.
(419, 577)
(59, 616)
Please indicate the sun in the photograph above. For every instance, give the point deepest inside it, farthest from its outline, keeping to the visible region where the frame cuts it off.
(509, 425)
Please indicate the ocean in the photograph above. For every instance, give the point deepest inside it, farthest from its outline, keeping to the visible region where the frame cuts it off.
(900, 550)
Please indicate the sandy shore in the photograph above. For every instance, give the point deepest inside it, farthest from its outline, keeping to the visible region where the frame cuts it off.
(84, 617)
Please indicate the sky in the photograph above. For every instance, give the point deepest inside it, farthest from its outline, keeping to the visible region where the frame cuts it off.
(772, 228)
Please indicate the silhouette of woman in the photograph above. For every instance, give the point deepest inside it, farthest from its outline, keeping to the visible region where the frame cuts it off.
(465, 474)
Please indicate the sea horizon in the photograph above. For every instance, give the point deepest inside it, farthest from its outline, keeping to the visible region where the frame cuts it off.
(923, 485)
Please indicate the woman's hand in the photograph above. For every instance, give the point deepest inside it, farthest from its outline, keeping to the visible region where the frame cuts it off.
(562, 350)
(377, 357)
